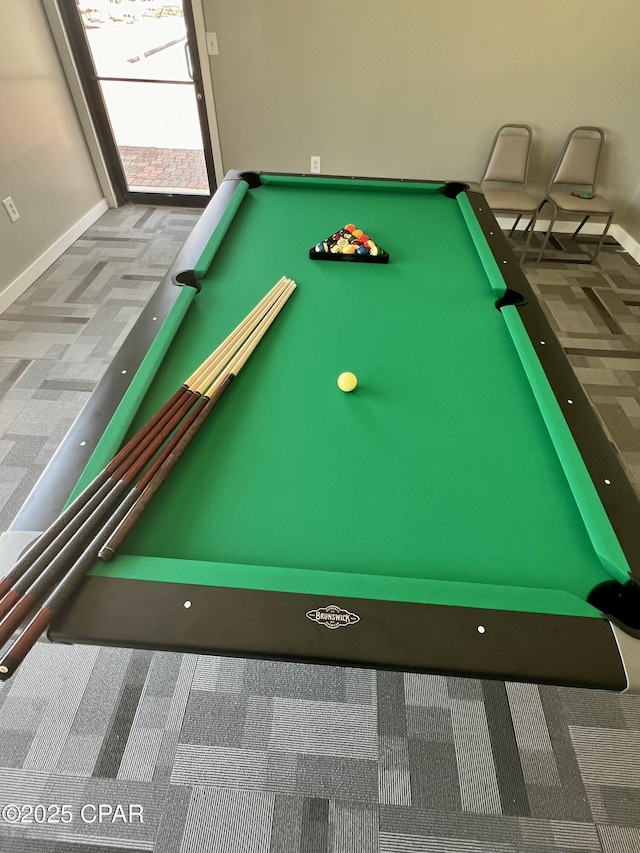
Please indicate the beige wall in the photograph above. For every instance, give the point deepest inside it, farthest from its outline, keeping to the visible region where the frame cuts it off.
(44, 162)
(417, 88)
(629, 218)
(405, 87)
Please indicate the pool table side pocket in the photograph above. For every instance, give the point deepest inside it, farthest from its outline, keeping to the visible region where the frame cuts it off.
(592, 511)
(192, 263)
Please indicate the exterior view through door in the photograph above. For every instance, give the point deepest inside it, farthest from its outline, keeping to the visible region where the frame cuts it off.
(144, 70)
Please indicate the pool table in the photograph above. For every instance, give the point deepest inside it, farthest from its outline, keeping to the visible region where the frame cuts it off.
(461, 512)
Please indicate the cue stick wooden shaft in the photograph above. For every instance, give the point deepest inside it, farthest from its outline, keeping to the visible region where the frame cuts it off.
(59, 564)
(196, 383)
(20, 599)
(29, 566)
(249, 322)
(160, 469)
(48, 543)
(29, 589)
(70, 541)
(171, 453)
(37, 557)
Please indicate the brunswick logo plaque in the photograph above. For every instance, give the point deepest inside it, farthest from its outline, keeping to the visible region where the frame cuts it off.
(333, 617)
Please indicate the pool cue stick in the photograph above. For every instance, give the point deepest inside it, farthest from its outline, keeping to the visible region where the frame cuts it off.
(24, 594)
(40, 621)
(94, 493)
(114, 509)
(66, 547)
(160, 468)
(70, 541)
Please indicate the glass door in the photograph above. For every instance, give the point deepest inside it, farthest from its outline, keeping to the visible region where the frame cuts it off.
(138, 62)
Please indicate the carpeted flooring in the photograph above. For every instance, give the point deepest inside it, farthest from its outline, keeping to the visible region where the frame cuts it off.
(241, 756)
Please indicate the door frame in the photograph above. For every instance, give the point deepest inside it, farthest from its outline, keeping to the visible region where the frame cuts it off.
(100, 142)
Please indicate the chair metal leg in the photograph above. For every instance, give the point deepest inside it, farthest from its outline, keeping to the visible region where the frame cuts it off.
(601, 241)
(529, 232)
(514, 225)
(554, 216)
(577, 231)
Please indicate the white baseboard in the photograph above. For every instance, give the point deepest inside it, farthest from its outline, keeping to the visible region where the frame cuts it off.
(41, 264)
(627, 242)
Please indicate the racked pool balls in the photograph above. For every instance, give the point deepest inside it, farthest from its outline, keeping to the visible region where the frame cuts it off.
(348, 241)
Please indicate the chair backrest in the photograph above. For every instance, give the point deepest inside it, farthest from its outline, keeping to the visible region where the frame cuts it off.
(509, 158)
(580, 159)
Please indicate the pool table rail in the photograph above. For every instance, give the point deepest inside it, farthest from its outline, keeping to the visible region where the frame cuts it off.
(463, 641)
(601, 459)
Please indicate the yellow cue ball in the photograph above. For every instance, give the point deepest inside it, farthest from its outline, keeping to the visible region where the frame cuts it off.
(347, 381)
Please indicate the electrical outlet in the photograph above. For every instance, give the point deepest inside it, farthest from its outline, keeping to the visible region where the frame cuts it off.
(11, 209)
(315, 165)
(212, 44)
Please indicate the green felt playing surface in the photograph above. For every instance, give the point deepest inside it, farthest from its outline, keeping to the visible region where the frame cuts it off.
(436, 480)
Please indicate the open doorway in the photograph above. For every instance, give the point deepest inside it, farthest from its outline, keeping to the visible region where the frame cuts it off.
(139, 67)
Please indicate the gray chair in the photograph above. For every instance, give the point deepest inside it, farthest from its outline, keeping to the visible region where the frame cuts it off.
(508, 167)
(572, 190)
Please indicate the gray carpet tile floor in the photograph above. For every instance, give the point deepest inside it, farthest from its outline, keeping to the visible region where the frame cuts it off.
(104, 750)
